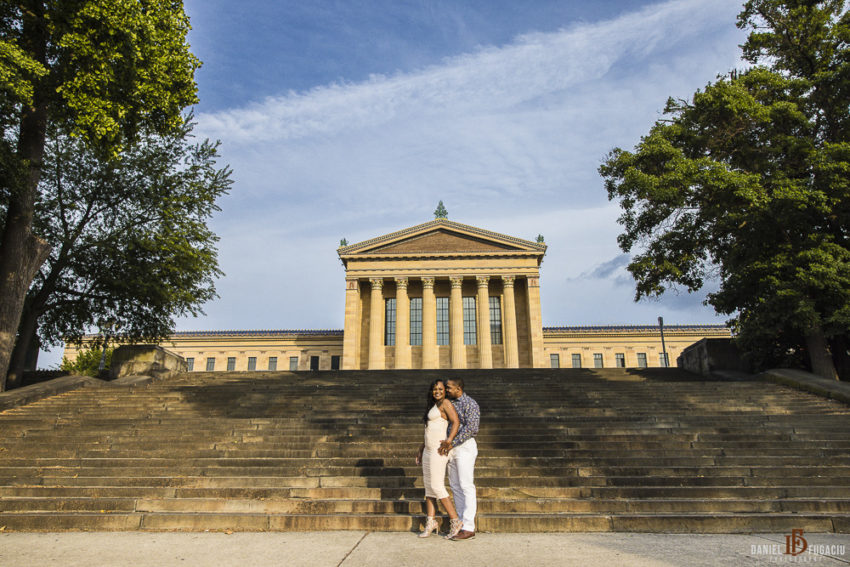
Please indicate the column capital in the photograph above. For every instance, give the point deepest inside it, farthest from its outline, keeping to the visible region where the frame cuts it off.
(533, 281)
(401, 283)
(457, 281)
(508, 281)
(428, 282)
(351, 283)
(377, 283)
(483, 281)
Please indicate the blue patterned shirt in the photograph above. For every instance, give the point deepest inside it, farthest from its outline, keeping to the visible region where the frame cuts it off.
(469, 415)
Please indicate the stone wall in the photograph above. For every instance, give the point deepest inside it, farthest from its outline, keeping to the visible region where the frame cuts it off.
(145, 360)
(711, 355)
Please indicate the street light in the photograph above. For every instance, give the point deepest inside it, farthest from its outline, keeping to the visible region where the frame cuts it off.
(106, 325)
(663, 346)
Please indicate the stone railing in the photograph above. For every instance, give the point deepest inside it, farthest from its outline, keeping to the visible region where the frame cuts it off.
(708, 356)
(145, 360)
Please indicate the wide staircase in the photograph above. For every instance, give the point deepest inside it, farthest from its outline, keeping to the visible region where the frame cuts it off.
(559, 450)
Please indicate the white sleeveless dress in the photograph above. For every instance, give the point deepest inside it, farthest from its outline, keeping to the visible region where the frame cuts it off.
(433, 463)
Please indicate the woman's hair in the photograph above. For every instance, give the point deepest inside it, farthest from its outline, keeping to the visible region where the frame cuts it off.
(431, 401)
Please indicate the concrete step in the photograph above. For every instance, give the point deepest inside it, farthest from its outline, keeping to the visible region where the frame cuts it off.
(838, 474)
(370, 506)
(517, 523)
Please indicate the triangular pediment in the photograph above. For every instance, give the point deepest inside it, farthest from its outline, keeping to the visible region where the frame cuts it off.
(442, 236)
(441, 241)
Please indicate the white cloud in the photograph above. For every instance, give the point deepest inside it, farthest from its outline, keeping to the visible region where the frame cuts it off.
(508, 137)
(491, 80)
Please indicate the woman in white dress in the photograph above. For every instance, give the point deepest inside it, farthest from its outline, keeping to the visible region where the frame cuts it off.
(439, 414)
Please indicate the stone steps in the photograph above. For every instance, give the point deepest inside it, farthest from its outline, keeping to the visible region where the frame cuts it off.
(559, 451)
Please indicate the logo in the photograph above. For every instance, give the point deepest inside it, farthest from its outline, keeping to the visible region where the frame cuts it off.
(797, 550)
(795, 544)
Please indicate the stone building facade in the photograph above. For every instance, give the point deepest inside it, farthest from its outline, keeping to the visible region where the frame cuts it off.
(438, 295)
(442, 295)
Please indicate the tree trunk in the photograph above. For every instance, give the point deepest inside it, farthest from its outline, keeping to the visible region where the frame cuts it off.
(21, 255)
(21, 252)
(22, 353)
(819, 355)
(839, 346)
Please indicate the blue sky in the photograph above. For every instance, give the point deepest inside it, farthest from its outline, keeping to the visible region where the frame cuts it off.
(353, 119)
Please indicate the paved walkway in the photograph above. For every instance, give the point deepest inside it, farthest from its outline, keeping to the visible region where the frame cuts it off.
(359, 549)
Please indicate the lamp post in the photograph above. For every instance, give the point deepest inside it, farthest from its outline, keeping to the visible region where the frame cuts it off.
(663, 346)
(106, 325)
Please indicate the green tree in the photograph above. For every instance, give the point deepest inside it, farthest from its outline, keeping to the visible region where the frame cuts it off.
(101, 69)
(129, 239)
(748, 184)
(87, 362)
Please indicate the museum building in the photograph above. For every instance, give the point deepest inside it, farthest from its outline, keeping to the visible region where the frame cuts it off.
(439, 295)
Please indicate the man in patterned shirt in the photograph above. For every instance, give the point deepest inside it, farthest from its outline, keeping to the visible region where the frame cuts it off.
(462, 453)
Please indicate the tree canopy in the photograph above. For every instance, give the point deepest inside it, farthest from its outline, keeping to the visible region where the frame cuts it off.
(101, 70)
(748, 184)
(102, 66)
(129, 238)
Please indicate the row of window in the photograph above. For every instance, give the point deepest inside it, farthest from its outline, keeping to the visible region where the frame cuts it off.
(252, 363)
(469, 321)
(619, 360)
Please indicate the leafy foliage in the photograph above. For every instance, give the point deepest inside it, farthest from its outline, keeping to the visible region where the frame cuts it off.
(87, 362)
(101, 71)
(747, 183)
(129, 235)
(103, 66)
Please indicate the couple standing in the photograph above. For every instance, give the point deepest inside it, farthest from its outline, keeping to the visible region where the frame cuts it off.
(451, 423)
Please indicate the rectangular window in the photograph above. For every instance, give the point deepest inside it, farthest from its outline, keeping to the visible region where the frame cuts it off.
(442, 320)
(641, 356)
(620, 358)
(293, 363)
(469, 334)
(272, 363)
(389, 326)
(576, 361)
(314, 363)
(554, 361)
(190, 364)
(335, 362)
(210, 364)
(231, 363)
(415, 320)
(496, 321)
(252, 363)
(662, 360)
(597, 360)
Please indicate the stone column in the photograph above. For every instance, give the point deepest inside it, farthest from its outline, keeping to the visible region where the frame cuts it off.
(456, 324)
(351, 333)
(535, 323)
(376, 325)
(510, 332)
(430, 354)
(485, 349)
(402, 325)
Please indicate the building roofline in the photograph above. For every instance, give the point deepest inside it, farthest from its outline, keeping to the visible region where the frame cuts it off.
(534, 246)
(244, 333)
(598, 328)
(258, 332)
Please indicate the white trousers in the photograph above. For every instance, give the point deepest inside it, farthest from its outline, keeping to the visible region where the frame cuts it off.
(462, 480)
